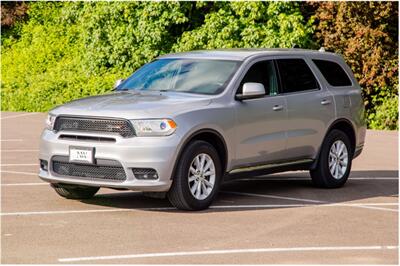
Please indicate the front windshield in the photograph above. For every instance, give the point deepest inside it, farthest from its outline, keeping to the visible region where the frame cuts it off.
(182, 75)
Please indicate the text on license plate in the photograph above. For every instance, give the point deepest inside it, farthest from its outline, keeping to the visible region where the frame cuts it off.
(81, 154)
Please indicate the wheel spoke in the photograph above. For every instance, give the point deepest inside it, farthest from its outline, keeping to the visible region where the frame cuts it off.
(332, 168)
(337, 171)
(194, 187)
(198, 191)
(208, 183)
(203, 159)
(204, 188)
(340, 170)
(207, 166)
(331, 161)
(333, 149)
(343, 169)
(192, 178)
(341, 148)
(197, 162)
(192, 170)
(209, 173)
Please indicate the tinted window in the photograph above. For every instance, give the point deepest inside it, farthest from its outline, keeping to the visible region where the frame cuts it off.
(296, 75)
(262, 72)
(182, 75)
(333, 73)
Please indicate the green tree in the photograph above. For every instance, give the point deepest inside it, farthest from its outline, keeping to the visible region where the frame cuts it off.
(72, 49)
(366, 34)
(249, 25)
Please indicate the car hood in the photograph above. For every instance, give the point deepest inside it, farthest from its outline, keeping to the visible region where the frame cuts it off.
(134, 105)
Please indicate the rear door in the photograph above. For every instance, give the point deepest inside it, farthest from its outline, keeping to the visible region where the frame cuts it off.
(310, 107)
(261, 122)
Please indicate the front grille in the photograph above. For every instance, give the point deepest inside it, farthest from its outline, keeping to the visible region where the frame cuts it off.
(110, 170)
(118, 126)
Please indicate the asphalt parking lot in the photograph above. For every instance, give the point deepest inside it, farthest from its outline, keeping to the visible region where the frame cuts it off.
(279, 218)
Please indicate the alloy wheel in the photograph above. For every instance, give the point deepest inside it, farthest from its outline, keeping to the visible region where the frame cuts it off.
(201, 176)
(338, 159)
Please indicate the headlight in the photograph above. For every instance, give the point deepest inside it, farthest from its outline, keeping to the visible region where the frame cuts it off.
(154, 127)
(50, 121)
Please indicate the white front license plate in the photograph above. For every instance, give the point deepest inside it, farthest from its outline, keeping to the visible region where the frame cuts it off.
(81, 154)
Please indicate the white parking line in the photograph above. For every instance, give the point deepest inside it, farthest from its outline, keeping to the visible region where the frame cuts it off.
(272, 196)
(19, 115)
(19, 150)
(227, 251)
(10, 139)
(309, 179)
(370, 204)
(19, 173)
(364, 206)
(258, 206)
(24, 184)
(82, 211)
(20, 164)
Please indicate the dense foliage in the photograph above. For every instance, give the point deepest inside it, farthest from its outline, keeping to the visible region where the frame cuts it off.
(62, 51)
(366, 34)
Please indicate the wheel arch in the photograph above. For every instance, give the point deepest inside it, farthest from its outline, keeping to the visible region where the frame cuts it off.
(345, 126)
(211, 136)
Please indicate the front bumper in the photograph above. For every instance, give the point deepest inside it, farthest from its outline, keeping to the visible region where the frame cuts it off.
(158, 153)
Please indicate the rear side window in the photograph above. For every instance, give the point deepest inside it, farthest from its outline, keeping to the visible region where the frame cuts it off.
(333, 73)
(296, 75)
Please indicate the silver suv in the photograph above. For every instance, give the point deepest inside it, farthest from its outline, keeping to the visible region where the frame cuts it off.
(184, 122)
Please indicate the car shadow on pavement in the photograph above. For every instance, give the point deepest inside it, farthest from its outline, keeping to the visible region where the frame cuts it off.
(285, 190)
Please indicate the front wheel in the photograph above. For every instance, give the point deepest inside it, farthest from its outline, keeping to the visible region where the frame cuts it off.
(197, 177)
(75, 192)
(334, 161)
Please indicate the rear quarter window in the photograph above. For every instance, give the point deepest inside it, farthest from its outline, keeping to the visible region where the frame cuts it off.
(333, 73)
(296, 75)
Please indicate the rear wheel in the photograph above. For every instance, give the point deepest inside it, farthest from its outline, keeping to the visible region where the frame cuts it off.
(334, 163)
(197, 178)
(75, 192)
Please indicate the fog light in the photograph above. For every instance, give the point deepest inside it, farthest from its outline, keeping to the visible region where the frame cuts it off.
(44, 165)
(145, 173)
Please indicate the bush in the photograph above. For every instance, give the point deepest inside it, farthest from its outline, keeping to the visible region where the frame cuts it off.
(385, 114)
(366, 34)
(43, 68)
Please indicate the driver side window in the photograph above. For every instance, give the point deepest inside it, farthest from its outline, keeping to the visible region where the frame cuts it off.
(262, 72)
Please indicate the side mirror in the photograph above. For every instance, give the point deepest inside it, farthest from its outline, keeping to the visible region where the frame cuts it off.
(118, 82)
(251, 90)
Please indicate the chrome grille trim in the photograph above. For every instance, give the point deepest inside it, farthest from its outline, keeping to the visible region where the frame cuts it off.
(86, 138)
(97, 125)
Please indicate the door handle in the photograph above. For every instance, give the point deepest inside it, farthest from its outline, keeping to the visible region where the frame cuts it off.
(325, 102)
(277, 107)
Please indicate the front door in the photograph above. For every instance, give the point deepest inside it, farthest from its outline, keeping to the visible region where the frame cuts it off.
(261, 122)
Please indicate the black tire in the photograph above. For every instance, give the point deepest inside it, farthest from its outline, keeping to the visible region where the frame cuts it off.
(179, 194)
(321, 175)
(75, 192)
